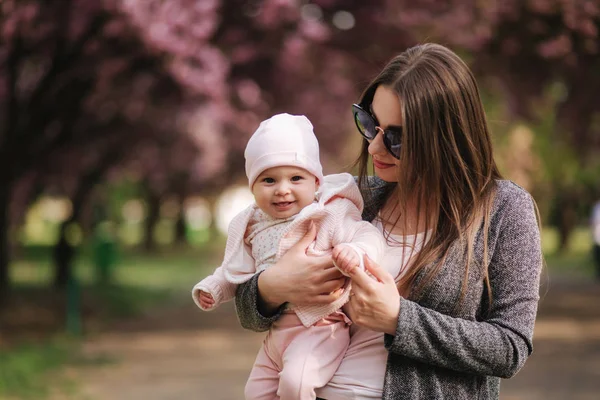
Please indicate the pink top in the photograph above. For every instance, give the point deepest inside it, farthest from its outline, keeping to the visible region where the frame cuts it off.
(362, 371)
(337, 215)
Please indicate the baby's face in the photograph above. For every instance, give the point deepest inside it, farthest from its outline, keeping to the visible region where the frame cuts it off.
(283, 191)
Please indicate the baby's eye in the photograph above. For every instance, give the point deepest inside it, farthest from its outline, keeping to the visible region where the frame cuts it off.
(297, 178)
(269, 180)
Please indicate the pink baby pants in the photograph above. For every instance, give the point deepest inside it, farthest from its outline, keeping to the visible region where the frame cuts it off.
(295, 360)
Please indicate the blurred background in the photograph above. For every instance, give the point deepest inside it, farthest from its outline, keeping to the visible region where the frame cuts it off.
(122, 130)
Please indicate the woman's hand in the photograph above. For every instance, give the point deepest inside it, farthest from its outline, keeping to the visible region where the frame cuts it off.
(300, 279)
(374, 302)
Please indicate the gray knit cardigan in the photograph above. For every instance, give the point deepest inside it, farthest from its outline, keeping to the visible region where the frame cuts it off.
(441, 351)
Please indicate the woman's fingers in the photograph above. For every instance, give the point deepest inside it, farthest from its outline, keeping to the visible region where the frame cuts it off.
(331, 274)
(326, 298)
(323, 298)
(381, 274)
(300, 278)
(320, 262)
(360, 278)
(323, 269)
(307, 239)
(332, 285)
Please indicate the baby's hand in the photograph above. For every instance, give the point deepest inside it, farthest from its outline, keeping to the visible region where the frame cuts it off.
(206, 300)
(345, 258)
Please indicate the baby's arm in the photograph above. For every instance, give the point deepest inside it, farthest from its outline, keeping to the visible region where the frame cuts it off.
(353, 238)
(345, 257)
(206, 300)
(213, 290)
(222, 284)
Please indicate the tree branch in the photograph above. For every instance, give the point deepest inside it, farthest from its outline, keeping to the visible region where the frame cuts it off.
(13, 61)
(28, 149)
(63, 60)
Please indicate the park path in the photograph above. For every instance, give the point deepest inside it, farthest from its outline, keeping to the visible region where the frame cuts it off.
(185, 354)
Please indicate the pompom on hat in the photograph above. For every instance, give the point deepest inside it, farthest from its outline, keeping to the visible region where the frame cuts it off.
(283, 140)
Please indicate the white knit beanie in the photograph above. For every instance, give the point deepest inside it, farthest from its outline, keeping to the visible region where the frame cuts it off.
(283, 140)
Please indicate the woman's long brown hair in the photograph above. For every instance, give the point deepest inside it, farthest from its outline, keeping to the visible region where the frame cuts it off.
(447, 170)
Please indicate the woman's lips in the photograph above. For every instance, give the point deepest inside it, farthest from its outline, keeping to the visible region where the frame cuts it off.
(284, 205)
(380, 165)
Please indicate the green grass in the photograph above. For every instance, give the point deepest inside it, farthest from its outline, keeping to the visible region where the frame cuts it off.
(32, 371)
(26, 369)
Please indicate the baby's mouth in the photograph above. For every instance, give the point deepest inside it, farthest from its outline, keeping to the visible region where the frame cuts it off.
(283, 204)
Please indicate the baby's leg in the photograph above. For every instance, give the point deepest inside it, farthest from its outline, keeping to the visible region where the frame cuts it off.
(264, 377)
(312, 358)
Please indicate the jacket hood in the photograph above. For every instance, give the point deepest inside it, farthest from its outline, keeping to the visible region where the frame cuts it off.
(339, 185)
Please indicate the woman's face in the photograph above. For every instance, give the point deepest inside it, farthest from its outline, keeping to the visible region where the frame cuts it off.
(386, 109)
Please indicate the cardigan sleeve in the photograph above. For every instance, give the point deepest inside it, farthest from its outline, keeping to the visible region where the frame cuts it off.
(499, 344)
(246, 307)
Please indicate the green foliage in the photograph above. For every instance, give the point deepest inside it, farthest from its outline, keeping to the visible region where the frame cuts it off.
(117, 194)
(566, 182)
(576, 261)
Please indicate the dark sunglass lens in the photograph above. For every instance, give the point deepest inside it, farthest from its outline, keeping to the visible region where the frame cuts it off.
(365, 124)
(393, 141)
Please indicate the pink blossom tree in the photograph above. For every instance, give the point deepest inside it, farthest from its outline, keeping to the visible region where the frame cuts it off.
(544, 57)
(175, 88)
(80, 85)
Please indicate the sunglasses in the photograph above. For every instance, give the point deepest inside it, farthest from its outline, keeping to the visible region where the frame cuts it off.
(369, 127)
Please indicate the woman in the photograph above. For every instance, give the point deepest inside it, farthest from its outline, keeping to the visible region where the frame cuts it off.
(452, 307)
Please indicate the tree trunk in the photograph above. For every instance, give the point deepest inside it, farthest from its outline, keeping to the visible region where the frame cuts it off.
(565, 227)
(213, 230)
(4, 238)
(180, 225)
(152, 218)
(64, 253)
(567, 219)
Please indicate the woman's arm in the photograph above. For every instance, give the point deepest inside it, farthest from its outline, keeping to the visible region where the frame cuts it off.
(296, 278)
(252, 313)
(498, 345)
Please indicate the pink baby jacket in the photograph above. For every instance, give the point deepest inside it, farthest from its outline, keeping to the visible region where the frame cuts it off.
(337, 216)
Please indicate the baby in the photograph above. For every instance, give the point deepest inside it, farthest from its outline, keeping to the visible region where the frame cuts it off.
(304, 347)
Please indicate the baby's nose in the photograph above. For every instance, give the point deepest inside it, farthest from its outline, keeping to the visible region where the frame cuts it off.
(283, 188)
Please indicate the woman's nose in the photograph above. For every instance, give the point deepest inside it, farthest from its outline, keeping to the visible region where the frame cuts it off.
(376, 145)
